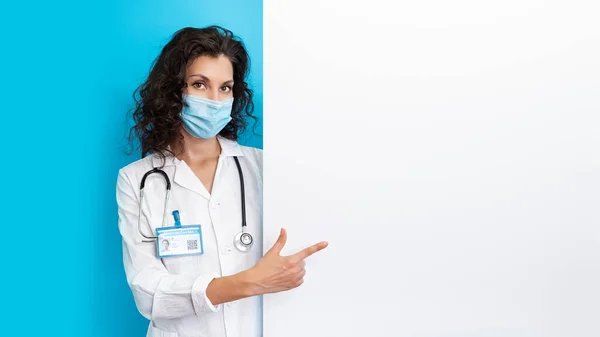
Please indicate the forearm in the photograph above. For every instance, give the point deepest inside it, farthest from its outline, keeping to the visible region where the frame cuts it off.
(230, 288)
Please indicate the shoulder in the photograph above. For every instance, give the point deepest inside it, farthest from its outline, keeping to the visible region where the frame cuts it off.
(252, 153)
(254, 159)
(135, 170)
(140, 165)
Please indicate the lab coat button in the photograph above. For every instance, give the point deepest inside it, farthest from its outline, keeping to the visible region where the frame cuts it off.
(226, 250)
(214, 204)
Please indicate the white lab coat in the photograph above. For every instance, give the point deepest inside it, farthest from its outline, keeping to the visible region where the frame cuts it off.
(170, 292)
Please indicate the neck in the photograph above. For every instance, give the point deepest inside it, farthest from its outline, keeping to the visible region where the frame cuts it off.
(198, 150)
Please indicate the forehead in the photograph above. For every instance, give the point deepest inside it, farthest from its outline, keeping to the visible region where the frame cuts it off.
(215, 68)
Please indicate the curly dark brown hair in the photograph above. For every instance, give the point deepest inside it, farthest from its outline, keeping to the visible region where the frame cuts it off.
(158, 101)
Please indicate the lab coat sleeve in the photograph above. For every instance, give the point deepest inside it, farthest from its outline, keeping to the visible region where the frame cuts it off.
(158, 295)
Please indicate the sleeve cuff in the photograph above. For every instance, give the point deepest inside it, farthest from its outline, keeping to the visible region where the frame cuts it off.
(202, 303)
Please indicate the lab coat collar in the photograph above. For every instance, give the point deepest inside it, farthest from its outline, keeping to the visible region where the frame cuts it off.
(229, 148)
(185, 177)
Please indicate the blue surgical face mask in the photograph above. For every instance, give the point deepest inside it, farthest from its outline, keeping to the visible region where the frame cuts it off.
(205, 118)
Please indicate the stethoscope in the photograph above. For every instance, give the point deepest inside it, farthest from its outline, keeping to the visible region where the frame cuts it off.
(242, 240)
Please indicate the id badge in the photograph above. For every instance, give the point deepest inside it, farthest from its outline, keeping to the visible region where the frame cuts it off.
(179, 241)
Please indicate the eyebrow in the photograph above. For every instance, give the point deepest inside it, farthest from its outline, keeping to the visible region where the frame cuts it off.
(208, 80)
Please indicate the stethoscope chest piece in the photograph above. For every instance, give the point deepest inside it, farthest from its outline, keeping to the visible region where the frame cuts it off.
(243, 241)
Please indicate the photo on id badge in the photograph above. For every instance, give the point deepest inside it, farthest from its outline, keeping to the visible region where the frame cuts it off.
(179, 240)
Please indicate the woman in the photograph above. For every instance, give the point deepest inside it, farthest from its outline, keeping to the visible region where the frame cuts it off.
(188, 116)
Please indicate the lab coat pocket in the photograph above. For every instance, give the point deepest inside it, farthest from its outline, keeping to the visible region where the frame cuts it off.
(182, 265)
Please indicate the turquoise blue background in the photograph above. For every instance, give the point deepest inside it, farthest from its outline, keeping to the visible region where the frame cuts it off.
(68, 72)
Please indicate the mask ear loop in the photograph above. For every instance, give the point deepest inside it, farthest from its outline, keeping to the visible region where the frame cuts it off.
(167, 196)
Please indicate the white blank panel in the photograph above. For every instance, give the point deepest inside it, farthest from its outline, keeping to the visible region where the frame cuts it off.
(449, 153)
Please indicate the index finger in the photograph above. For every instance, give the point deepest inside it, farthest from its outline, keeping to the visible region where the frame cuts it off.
(308, 251)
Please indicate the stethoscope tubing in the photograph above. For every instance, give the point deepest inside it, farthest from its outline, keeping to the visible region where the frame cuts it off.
(168, 194)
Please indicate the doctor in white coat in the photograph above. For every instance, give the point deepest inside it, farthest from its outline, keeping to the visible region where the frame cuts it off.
(188, 115)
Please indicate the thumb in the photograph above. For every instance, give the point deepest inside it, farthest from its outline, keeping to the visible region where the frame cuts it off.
(278, 246)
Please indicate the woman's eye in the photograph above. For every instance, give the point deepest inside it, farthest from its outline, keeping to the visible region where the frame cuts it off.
(226, 88)
(198, 85)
